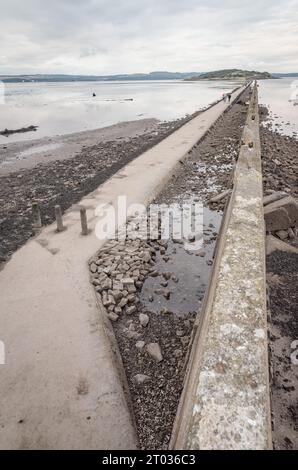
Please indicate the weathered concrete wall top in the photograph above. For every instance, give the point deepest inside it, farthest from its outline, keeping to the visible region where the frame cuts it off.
(225, 403)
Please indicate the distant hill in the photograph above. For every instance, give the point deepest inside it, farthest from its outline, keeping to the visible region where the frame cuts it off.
(230, 74)
(97, 78)
(279, 75)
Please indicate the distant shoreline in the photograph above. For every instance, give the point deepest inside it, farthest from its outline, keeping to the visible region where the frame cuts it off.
(154, 76)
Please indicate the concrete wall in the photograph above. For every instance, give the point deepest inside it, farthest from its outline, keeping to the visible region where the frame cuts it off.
(225, 403)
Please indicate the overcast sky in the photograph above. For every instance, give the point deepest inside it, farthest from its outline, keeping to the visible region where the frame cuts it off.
(115, 36)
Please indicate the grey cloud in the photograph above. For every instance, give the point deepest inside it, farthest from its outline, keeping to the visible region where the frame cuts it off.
(112, 36)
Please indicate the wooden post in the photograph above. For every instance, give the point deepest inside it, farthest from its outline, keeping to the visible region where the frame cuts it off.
(58, 215)
(36, 215)
(84, 224)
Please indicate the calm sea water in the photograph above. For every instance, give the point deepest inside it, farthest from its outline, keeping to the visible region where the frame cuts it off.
(281, 97)
(62, 108)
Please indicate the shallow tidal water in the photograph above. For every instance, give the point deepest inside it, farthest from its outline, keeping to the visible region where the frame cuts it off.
(64, 108)
(190, 270)
(281, 98)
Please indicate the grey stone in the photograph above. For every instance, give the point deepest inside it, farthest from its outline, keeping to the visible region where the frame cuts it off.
(281, 214)
(127, 281)
(144, 319)
(122, 302)
(131, 289)
(167, 275)
(153, 273)
(282, 234)
(165, 311)
(131, 310)
(107, 284)
(117, 285)
(179, 333)
(117, 295)
(131, 298)
(140, 345)
(154, 351)
(113, 316)
(166, 294)
(178, 353)
(140, 379)
(93, 268)
(132, 334)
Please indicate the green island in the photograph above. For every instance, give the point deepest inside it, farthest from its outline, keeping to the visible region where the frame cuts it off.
(231, 74)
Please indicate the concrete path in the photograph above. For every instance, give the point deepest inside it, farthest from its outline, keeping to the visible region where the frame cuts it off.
(60, 388)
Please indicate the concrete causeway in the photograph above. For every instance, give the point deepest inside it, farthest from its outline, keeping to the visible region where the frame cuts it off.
(226, 400)
(61, 387)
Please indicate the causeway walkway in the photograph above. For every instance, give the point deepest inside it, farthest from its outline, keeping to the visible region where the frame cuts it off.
(60, 387)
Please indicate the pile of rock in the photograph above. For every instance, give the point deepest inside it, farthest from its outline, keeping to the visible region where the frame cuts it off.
(118, 272)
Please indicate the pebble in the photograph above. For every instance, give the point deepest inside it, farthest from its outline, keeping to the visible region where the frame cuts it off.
(140, 379)
(166, 294)
(128, 282)
(132, 334)
(154, 274)
(154, 351)
(165, 311)
(93, 268)
(167, 275)
(122, 303)
(131, 310)
(140, 345)
(113, 316)
(144, 319)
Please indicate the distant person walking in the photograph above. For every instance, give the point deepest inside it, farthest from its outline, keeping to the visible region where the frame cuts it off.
(229, 97)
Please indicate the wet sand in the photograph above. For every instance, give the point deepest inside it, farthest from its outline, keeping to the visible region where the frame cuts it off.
(27, 154)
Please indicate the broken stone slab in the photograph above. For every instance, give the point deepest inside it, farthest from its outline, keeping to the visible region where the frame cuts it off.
(274, 244)
(281, 214)
(220, 196)
(282, 234)
(154, 351)
(275, 196)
